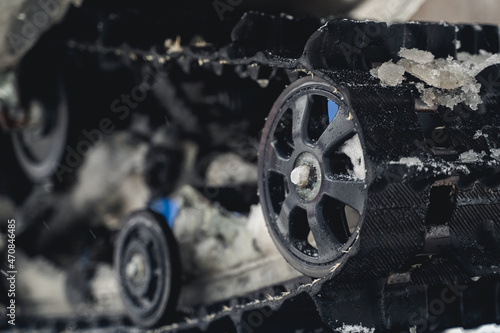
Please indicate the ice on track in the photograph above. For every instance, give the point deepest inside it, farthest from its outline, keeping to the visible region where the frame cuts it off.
(440, 73)
(448, 82)
(415, 55)
(355, 329)
(438, 167)
(479, 134)
(450, 98)
(471, 156)
(411, 161)
(352, 148)
(489, 328)
(495, 153)
(389, 73)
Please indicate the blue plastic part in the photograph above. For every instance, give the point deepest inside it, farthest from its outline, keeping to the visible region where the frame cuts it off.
(167, 207)
(333, 109)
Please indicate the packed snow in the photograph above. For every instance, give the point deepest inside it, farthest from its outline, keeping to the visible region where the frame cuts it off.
(491, 328)
(418, 56)
(355, 329)
(441, 167)
(447, 81)
(495, 153)
(479, 134)
(471, 156)
(390, 73)
(411, 161)
(352, 148)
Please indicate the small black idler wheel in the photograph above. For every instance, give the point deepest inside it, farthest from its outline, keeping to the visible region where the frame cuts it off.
(148, 266)
(312, 176)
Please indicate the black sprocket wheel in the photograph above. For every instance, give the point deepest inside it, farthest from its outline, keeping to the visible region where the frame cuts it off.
(312, 176)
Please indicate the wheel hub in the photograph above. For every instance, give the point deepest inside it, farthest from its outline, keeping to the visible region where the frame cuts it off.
(136, 268)
(306, 176)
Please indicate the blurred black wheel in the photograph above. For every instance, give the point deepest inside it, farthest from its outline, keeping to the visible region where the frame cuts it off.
(148, 266)
(39, 148)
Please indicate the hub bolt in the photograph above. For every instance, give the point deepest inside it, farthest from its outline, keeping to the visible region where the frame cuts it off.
(300, 175)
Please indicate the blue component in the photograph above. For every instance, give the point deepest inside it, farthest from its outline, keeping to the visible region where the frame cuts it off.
(167, 207)
(333, 109)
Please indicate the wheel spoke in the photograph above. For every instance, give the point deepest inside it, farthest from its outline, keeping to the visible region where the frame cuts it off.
(144, 238)
(301, 110)
(145, 303)
(142, 235)
(349, 192)
(30, 137)
(339, 129)
(275, 161)
(323, 235)
(283, 219)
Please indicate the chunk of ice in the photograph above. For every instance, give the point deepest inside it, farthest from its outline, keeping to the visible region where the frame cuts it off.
(440, 73)
(418, 56)
(389, 73)
(471, 156)
(411, 161)
(495, 153)
(490, 61)
(451, 81)
(356, 329)
(479, 134)
(450, 98)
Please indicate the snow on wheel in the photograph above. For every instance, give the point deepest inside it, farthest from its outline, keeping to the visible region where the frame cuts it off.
(148, 267)
(312, 176)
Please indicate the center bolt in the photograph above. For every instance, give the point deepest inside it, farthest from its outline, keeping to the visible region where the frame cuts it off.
(300, 175)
